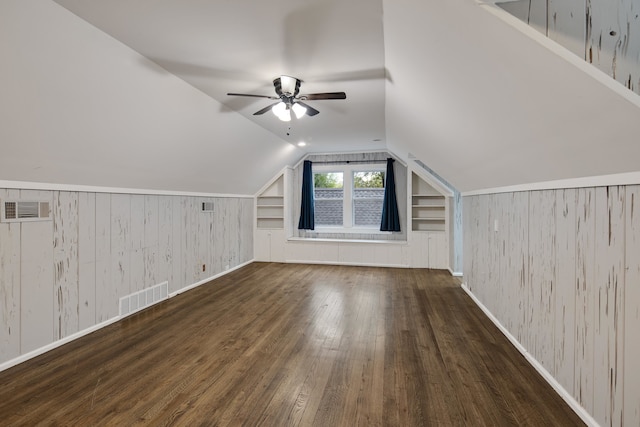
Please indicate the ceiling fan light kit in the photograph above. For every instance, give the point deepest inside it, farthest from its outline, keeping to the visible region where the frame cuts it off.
(287, 89)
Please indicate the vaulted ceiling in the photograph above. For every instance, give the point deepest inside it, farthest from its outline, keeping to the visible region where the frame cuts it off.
(133, 93)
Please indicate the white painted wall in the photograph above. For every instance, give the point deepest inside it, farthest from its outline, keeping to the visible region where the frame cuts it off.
(560, 270)
(63, 276)
(79, 107)
(494, 103)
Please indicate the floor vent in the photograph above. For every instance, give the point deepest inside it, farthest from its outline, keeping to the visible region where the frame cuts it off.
(23, 210)
(142, 299)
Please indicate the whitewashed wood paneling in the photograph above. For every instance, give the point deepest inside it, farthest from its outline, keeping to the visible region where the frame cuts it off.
(103, 256)
(177, 281)
(574, 306)
(631, 386)
(126, 255)
(86, 260)
(36, 279)
(565, 304)
(65, 260)
(585, 296)
(165, 240)
(65, 275)
(609, 305)
(542, 276)
(150, 250)
(605, 33)
(247, 236)
(9, 284)
(567, 25)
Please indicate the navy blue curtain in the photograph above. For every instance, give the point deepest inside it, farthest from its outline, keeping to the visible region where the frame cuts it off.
(307, 221)
(390, 217)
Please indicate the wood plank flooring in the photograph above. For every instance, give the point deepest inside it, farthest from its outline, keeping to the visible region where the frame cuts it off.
(291, 345)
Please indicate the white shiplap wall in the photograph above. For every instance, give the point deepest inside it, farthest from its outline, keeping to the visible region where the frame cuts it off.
(560, 270)
(66, 275)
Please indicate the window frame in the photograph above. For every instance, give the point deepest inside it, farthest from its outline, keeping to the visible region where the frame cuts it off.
(348, 214)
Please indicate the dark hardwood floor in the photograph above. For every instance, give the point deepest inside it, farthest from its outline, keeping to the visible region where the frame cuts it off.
(289, 345)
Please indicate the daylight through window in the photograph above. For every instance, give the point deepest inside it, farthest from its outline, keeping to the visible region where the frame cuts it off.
(348, 196)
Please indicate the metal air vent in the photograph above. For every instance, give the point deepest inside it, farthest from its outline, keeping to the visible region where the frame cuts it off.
(24, 210)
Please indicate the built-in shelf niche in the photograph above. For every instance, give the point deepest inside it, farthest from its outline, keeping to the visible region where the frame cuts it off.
(428, 206)
(270, 206)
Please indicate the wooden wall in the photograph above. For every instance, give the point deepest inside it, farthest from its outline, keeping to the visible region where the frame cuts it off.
(63, 276)
(560, 270)
(604, 33)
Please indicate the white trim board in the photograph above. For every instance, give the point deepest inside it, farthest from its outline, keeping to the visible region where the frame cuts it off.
(628, 178)
(25, 185)
(39, 351)
(566, 396)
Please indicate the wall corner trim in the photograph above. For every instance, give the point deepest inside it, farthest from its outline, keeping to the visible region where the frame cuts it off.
(573, 404)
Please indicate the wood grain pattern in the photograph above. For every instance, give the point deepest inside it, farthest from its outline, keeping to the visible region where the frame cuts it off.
(9, 284)
(278, 344)
(631, 386)
(86, 260)
(608, 372)
(542, 276)
(36, 278)
(65, 261)
(564, 318)
(585, 297)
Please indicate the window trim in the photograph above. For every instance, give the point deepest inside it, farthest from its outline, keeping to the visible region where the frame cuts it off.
(347, 171)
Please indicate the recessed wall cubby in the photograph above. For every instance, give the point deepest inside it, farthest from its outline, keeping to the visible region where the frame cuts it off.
(270, 206)
(428, 206)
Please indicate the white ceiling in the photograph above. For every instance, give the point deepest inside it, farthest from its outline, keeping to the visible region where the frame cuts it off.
(473, 95)
(241, 46)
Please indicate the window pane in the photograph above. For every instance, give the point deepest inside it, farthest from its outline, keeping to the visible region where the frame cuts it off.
(368, 196)
(368, 179)
(328, 197)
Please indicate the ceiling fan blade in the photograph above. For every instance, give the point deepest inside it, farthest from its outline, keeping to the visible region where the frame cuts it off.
(310, 110)
(327, 95)
(265, 109)
(253, 96)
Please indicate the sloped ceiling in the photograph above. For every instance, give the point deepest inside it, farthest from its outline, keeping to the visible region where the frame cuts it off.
(466, 91)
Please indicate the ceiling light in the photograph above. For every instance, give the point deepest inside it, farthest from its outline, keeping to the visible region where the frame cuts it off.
(301, 144)
(299, 110)
(288, 85)
(281, 110)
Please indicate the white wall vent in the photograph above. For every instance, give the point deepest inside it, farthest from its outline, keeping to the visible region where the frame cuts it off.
(24, 210)
(207, 206)
(142, 299)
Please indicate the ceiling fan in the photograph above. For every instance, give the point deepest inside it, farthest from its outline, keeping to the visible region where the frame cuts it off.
(287, 89)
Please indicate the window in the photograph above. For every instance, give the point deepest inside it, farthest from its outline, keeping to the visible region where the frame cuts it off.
(368, 197)
(348, 196)
(328, 196)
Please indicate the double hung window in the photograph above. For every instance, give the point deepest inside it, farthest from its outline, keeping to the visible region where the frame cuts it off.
(348, 197)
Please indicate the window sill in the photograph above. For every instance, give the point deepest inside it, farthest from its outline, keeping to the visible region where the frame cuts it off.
(326, 240)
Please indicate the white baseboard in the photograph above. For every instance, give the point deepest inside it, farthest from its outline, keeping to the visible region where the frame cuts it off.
(37, 352)
(455, 273)
(577, 408)
(354, 264)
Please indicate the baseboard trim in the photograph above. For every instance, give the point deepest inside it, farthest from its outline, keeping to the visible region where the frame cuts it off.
(455, 273)
(44, 349)
(566, 396)
(354, 264)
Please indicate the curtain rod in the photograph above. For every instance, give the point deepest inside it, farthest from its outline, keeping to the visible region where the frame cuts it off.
(342, 162)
